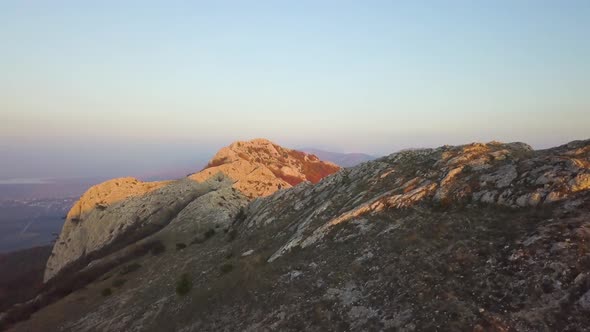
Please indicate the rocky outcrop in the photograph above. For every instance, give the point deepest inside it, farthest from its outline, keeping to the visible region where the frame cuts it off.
(510, 175)
(101, 196)
(260, 167)
(118, 212)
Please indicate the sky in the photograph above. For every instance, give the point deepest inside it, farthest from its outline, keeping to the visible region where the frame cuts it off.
(113, 88)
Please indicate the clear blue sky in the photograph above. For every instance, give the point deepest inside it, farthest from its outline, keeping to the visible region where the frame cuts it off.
(133, 86)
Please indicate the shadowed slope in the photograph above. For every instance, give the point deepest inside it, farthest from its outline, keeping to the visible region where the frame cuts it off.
(22, 274)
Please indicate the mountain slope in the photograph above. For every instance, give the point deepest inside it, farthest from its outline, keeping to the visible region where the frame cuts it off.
(476, 237)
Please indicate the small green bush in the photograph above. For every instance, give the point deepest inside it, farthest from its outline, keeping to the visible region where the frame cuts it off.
(180, 246)
(197, 240)
(232, 235)
(105, 277)
(226, 268)
(203, 237)
(130, 268)
(240, 216)
(119, 282)
(184, 284)
(209, 233)
(106, 292)
(156, 247)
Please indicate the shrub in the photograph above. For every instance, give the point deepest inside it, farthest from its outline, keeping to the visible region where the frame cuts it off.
(130, 268)
(209, 233)
(240, 216)
(184, 284)
(105, 277)
(155, 247)
(232, 235)
(226, 268)
(119, 282)
(180, 246)
(196, 240)
(203, 237)
(106, 292)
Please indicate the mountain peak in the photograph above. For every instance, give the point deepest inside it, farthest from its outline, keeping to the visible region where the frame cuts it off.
(255, 141)
(260, 167)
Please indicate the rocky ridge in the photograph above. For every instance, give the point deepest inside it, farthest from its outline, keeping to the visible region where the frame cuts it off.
(117, 212)
(483, 237)
(123, 208)
(510, 175)
(260, 167)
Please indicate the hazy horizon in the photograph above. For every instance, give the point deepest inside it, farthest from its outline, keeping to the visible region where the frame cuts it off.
(112, 89)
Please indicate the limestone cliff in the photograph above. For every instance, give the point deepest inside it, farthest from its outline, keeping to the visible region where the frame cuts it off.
(118, 212)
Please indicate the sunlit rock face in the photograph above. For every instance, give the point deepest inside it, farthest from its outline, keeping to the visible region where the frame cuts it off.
(115, 209)
(259, 167)
(117, 212)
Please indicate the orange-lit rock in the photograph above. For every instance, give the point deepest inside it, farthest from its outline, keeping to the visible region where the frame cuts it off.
(259, 167)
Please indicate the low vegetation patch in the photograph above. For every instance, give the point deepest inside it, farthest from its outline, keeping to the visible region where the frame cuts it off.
(240, 216)
(232, 234)
(119, 282)
(106, 292)
(180, 246)
(209, 233)
(197, 240)
(203, 237)
(155, 247)
(226, 268)
(130, 268)
(105, 277)
(184, 284)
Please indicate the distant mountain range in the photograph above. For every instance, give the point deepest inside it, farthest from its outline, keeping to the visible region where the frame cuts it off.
(340, 159)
